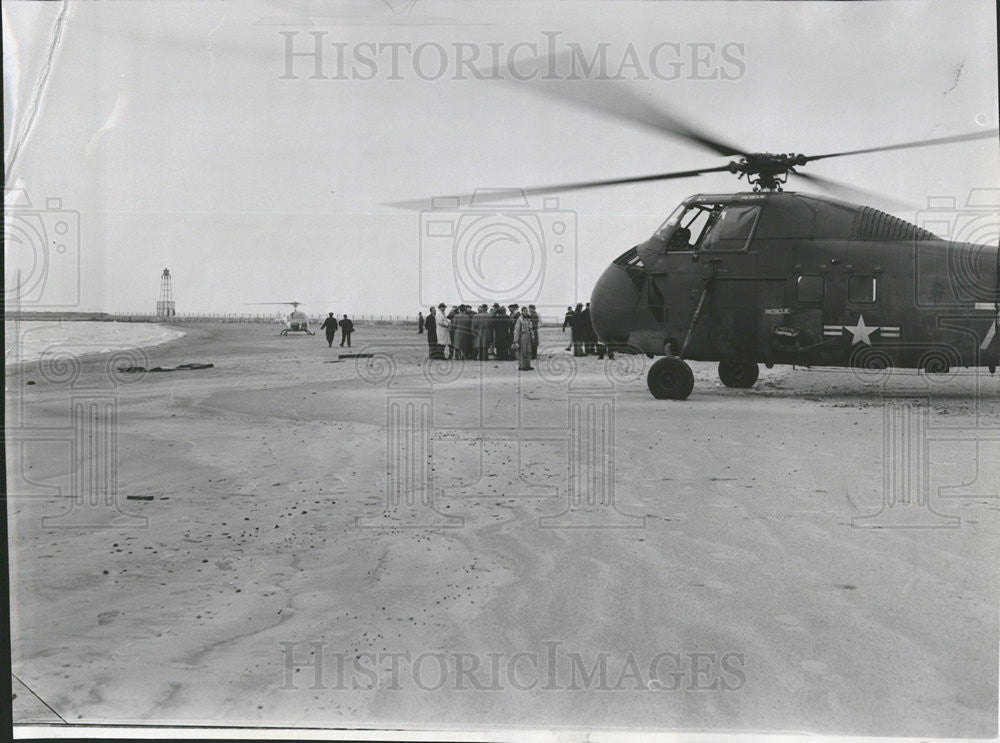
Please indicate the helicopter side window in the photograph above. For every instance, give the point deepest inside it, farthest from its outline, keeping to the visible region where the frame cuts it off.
(862, 289)
(810, 289)
(730, 228)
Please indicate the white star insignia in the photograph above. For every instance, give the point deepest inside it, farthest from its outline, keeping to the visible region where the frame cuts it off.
(861, 333)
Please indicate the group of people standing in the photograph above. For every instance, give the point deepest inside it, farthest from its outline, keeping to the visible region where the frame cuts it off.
(330, 325)
(584, 340)
(488, 332)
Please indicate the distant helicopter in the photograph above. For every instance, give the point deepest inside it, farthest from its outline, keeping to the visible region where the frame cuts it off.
(296, 322)
(773, 277)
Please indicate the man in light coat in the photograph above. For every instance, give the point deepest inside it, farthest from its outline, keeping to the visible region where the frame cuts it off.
(522, 337)
(444, 331)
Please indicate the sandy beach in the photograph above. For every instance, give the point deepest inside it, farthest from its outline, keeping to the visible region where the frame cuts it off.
(290, 538)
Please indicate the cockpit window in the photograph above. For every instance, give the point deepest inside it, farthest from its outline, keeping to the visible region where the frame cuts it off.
(709, 227)
(730, 228)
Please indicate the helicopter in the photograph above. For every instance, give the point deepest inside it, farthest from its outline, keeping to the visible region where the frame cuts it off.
(768, 276)
(296, 322)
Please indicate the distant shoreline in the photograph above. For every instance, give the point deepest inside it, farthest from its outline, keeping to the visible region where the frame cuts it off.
(75, 316)
(24, 345)
(39, 315)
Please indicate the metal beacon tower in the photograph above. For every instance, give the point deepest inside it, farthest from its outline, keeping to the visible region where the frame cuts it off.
(165, 305)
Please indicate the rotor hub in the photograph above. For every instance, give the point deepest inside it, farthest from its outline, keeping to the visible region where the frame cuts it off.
(767, 171)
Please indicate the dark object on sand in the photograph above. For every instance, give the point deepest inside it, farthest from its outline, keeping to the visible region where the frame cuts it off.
(140, 369)
(356, 355)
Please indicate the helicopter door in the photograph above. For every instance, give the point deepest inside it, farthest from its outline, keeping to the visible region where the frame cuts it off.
(739, 290)
(803, 329)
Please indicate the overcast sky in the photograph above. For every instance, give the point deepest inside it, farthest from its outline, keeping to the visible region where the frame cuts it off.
(185, 136)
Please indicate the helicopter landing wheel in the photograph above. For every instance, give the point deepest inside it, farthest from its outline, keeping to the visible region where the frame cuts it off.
(738, 374)
(284, 332)
(670, 378)
(309, 332)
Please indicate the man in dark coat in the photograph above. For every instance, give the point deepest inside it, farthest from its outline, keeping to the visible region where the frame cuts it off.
(330, 326)
(589, 335)
(482, 329)
(568, 323)
(502, 334)
(534, 320)
(346, 328)
(461, 323)
(453, 351)
(579, 337)
(514, 311)
(420, 322)
(430, 325)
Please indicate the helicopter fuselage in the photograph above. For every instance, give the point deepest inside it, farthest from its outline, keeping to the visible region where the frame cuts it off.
(789, 278)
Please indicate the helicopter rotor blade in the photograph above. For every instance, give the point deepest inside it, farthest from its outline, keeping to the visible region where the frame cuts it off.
(420, 204)
(991, 134)
(853, 193)
(557, 77)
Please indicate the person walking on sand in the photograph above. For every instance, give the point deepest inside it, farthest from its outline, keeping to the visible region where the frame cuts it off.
(420, 323)
(568, 323)
(522, 339)
(346, 328)
(330, 325)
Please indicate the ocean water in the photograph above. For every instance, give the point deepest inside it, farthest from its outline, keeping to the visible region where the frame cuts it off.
(30, 340)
